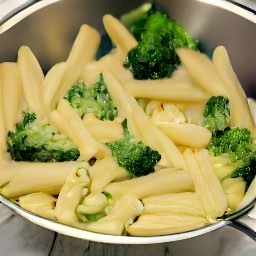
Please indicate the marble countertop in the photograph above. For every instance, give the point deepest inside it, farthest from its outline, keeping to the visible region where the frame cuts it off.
(20, 237)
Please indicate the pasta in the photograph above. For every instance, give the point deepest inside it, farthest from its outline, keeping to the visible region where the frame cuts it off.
(188, 188)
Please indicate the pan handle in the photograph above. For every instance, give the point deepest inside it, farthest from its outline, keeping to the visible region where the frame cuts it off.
(13, 11)
(246, 223)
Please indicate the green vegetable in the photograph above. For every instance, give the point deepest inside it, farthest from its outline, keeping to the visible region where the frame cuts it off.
(95, 99)
(217, 114)
(154, 56)
(36, 141)
(137, 158)
(238, 145)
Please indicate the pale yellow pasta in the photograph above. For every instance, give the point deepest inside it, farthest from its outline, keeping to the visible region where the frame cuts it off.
(234, 188)
(173, 203)
(93, 203)
(74, 128)
(71, 194)
(52, 82)
(207, 185)
(164, 181)
(32, 80)
(142, 128)
(24, 177)
(235, 92)
(103, 131)
(250, 195)
(91, 73)
(103, 172)
(83, 51)
(186, 134)
(118, 33)
(11, 93)
(124, 211)
(202, 71)
(165, 89)
(39, 203)
(155, 225)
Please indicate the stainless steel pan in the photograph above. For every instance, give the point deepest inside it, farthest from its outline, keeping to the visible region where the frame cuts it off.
(49, 27)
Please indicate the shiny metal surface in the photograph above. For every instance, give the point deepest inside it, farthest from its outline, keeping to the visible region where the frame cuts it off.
(50, 32)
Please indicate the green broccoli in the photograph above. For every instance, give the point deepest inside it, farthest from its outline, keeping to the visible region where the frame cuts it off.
(154, 56)
(95, 99)
(137, 158)
(238, 145)
(36, 141)
(217, 114)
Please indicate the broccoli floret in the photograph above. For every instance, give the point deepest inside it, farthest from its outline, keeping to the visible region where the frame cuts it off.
(95, 99)
(37, 141)
(217, 114)
(137, 158)
(154, 56)
(238, 145)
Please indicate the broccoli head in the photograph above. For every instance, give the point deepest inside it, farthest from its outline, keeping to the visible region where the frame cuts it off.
(95, 99)
(37, 141)
(137, 158)
(217, 114)
(238, 145)
(154, 56)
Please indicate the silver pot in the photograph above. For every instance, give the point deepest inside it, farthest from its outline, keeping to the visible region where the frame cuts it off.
(49, 28)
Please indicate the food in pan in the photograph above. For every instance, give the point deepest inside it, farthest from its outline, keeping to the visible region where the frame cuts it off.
(153, 138)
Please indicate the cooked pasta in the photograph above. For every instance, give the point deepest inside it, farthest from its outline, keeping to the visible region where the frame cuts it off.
(187, 189)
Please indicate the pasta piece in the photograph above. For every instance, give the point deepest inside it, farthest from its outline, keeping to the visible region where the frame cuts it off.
(91, 73)
(164, 181)
(71, 194)
(252, 107)
(67, 120)
(32, 80)
(115, 63)
(124, 211)
(11, 93)
(103, 131)
(175, 203)
(249, 197)
(164, 89)
(92, 204)
(222, 166)
(119, 34)
(202, 71)
(189, 135)
(155, 225)
(83, 51)
(235, 92)
(52, 81)
(39, 203)
(103, 172)
(25, 178)
(140, 125)
(207, 185)
(234, 188)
